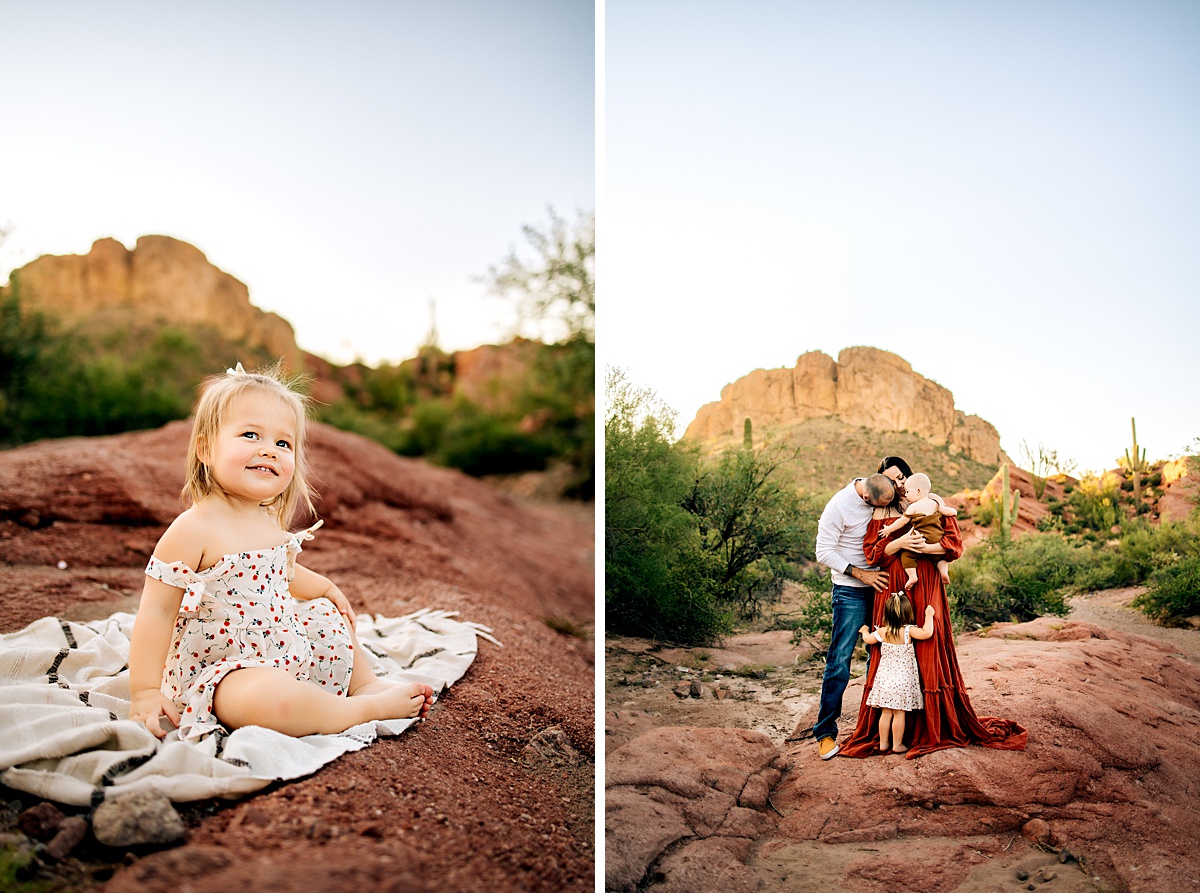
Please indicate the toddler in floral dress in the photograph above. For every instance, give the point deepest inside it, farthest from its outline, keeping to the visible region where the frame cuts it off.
(231, 630)
(897, 687)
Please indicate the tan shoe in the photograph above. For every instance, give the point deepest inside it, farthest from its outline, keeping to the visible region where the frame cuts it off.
(827, 747)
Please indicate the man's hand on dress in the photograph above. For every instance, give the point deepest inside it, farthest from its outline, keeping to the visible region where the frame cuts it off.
(877, 580)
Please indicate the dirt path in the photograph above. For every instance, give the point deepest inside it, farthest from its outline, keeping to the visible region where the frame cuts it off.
(1111, 608)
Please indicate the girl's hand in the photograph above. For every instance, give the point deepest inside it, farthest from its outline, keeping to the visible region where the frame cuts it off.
(148, 707)
(929, 612)
(342, 603)
(863, 630)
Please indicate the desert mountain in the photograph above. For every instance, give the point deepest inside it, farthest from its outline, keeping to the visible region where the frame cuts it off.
(160, 279)
(851, 412)
(168, 281)
(865, 387)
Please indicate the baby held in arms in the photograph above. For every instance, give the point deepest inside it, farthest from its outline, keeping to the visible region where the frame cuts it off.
(924, 512)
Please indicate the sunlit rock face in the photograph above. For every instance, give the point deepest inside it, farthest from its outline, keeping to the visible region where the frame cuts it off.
(161, 279)
(865, 386)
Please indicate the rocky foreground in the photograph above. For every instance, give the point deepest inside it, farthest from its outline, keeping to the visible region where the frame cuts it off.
(1104, 797)
(494, 791)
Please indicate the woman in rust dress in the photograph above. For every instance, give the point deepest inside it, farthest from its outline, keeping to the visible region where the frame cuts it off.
(948, 719)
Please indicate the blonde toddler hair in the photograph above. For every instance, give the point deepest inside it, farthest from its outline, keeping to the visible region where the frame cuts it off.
(218, 395)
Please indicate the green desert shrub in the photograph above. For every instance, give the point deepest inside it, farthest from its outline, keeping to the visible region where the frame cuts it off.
(1173, 593)
(1017, 580)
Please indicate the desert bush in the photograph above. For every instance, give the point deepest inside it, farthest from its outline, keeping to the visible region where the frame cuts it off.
(1174, 592)
(1017, 580)
(750, 517)
(1142, 550)
(658, 581)
(480, 443)
(814, 627)
(1093, 504)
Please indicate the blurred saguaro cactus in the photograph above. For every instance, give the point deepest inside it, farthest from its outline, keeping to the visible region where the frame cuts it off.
(1135, 464)
(747, 434)
(1009, 500)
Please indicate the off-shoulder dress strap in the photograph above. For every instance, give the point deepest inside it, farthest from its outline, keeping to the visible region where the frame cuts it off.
(294, 546)
(178, 574)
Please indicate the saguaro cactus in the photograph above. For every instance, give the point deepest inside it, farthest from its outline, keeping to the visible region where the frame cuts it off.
(1135, 464)
(1009, 501)
(747, 434)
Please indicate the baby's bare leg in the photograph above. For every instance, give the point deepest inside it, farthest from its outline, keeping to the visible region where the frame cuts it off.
(944, 570)
(364, 682)
(912, 578)
(275, 699)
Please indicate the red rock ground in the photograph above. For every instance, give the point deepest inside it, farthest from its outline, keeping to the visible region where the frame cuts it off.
(454, 803)
(1108, 783)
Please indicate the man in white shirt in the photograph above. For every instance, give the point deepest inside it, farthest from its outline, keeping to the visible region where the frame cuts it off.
(840, 548)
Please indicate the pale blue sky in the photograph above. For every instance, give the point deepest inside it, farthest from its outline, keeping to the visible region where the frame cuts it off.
(347, 161)
(1004, 193)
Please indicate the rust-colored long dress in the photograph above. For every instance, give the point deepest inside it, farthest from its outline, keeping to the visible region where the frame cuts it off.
(948, 719)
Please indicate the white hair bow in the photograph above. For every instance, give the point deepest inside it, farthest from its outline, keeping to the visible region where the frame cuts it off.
(238, 371)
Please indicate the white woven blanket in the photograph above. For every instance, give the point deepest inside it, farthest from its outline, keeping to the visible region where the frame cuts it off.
(64, 703)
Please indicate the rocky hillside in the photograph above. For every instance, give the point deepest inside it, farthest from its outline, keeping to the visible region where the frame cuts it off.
(869, 401)
(466, 797)
(160, 279)
(167, 281)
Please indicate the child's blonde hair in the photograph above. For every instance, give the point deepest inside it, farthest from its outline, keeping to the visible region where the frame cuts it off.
(218, 395)
(898, 612)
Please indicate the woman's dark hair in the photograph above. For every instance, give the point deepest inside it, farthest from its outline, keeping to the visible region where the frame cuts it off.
(898, 463)
(895, 462)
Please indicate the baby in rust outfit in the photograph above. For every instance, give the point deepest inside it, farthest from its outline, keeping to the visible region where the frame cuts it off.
(924, 512)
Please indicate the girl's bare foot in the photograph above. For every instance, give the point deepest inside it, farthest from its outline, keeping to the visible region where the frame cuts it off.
(899, 748)
(398, 700)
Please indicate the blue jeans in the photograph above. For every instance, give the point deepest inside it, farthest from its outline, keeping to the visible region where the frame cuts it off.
(852, 606)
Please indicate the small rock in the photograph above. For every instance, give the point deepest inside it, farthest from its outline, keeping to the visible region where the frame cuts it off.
(1022, 874)
(41, 821)
(1036, 831)
(721, 693)
(695, 689)
(256, 816)
(138, 818)
(1065, 855)
(1046, 874)
(70, 834)
(550, 746)
(682, 690)
(62, 565)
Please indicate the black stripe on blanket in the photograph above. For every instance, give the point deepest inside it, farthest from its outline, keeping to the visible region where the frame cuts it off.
(411, 663)
(222, 737)
(53, 671)
(67, 634)
(122, 767)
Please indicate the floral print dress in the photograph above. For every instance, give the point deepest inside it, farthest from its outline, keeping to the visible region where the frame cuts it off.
(239, 613)
(897, 681)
